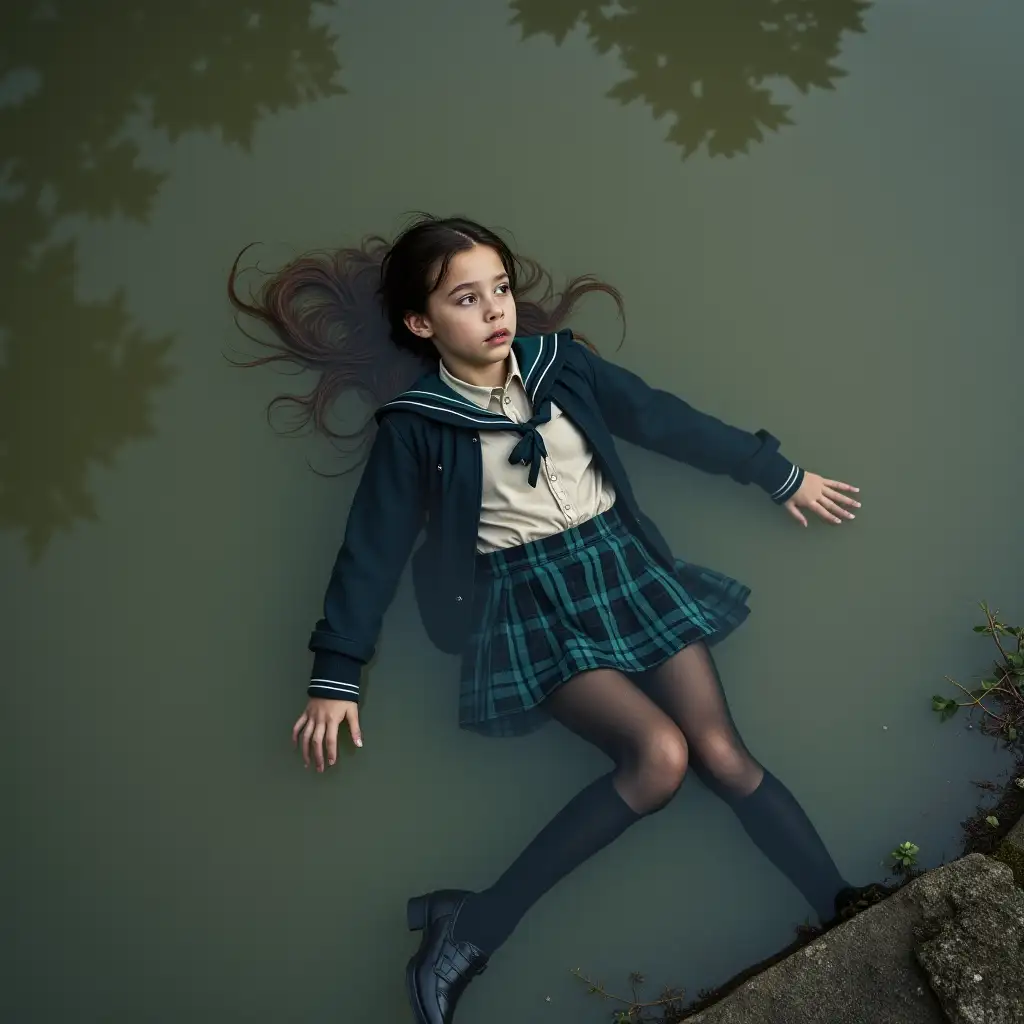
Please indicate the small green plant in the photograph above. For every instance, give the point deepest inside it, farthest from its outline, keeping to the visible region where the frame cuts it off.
(636, 1010)
(905, 856)
(993, 821)
(1000, 697)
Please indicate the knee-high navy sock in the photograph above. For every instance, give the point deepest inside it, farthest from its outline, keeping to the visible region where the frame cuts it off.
(776, 822)
(689, 689)
(590, 821)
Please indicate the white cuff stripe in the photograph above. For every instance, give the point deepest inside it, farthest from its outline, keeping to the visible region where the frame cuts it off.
(331, 684)
(789, 481)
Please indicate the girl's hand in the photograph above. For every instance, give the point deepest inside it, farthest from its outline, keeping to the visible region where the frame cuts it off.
(823, 497)
(320, 721)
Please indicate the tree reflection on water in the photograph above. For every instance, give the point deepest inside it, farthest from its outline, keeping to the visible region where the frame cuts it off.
(77, 378)
(708, 62)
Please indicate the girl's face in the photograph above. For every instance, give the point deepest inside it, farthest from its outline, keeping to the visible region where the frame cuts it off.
(471, 317)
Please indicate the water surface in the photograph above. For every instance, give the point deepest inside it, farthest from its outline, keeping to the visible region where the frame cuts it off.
(814, 227)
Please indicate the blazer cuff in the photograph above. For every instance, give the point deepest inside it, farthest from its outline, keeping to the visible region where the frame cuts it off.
(788, 478)
(335, 676)
(772, 471)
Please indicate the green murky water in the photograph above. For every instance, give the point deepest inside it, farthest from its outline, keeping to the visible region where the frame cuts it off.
(812, 210)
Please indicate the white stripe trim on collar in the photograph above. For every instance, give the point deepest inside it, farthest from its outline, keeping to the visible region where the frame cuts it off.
(478, 420)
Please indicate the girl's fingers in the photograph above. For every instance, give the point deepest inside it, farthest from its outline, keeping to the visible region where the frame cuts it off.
(825, 514)
(795, 513)
(831, 505)
(353, 725)
(844, 499)
(300, 722)
(307, 732)
(839, 485)
(318, 746)
(332, 742)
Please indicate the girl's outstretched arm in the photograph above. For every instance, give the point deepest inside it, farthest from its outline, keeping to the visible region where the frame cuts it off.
(662, 422)
(387, 514)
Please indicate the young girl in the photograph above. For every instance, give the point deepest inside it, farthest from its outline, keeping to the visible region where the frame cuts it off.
(538, 567)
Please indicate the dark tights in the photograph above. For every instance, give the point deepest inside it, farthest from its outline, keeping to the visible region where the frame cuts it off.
(688, 690)
(652, 729)
(609, 711)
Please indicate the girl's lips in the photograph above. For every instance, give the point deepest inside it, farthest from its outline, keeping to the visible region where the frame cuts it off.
(497, 337)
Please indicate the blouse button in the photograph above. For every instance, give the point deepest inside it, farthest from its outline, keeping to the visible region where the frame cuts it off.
(507, 400)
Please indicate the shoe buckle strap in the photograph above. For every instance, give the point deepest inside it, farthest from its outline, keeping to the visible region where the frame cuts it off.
(453, 963)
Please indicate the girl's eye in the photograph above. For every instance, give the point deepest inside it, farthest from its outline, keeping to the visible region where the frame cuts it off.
(504, 288)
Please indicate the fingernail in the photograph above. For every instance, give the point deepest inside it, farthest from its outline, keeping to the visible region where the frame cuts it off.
(359, 741)
(331, 761)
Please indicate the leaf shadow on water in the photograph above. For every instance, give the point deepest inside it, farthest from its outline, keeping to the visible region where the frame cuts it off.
(77, 377)
(711, 63)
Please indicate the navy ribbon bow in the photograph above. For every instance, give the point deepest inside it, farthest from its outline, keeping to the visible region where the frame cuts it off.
(530, 449)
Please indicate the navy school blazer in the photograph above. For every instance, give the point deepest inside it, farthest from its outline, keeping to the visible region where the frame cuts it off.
(424, 470)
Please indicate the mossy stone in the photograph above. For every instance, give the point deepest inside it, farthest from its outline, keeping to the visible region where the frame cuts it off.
(1013, 857)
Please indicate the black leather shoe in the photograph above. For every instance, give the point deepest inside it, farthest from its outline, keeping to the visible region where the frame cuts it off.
(442, 968)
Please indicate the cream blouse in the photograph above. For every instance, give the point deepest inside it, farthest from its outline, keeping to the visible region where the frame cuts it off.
(570, 489)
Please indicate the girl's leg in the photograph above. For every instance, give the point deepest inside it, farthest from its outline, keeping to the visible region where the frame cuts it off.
(605, 708)
(689, 690)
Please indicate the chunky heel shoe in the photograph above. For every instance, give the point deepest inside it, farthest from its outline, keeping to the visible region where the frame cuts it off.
(438, 974)
(416, 913)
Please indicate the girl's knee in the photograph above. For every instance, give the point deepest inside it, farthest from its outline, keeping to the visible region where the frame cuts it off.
(722, 752)
(663, 764)
(720, 757)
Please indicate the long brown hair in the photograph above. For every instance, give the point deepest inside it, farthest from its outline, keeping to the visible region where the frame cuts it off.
(341, 314)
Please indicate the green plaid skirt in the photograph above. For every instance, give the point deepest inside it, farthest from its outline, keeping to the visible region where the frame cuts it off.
(590, 597)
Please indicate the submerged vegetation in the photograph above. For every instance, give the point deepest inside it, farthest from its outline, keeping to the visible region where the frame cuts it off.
(998, 696)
